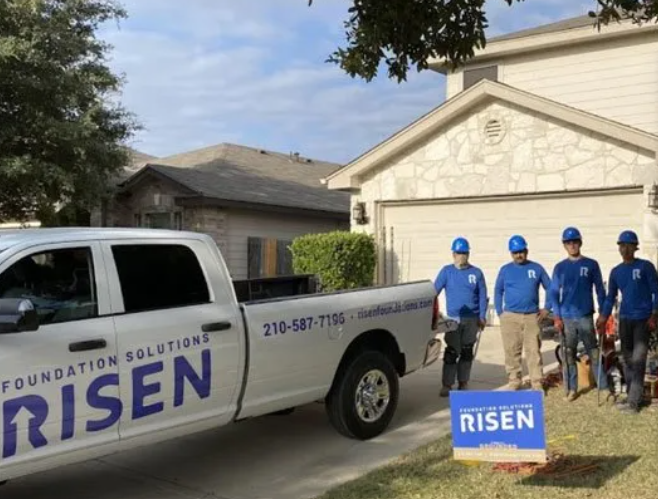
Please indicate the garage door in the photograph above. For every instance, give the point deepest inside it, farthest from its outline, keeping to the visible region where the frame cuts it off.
(418, 236)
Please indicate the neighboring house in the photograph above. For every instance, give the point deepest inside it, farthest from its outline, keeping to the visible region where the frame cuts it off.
(542, 129)
(253, 202)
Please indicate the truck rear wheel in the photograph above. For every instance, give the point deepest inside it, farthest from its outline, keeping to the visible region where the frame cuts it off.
(365, 397)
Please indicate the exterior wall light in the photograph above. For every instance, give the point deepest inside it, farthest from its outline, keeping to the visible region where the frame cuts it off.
(359, 213)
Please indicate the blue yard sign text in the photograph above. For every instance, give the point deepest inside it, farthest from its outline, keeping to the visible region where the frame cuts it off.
(498, 426)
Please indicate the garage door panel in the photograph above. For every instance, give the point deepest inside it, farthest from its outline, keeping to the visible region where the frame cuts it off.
(418, 236)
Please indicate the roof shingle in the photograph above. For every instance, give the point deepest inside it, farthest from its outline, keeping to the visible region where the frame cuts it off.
(244, 174)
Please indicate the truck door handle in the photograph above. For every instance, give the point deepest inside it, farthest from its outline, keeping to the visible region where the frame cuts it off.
(83, 346)
(216, 326)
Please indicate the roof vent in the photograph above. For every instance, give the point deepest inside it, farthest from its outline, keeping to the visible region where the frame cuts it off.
(294, 156)
(494, 131)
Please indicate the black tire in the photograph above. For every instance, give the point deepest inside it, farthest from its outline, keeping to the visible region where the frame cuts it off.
(341, 405)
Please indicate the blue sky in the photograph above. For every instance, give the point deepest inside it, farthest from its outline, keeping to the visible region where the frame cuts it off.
(252, 72)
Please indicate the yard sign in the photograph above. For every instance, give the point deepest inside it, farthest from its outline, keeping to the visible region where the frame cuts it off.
(498, 426)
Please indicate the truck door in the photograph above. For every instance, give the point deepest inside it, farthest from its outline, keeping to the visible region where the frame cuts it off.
(59, 384)
(179, 333)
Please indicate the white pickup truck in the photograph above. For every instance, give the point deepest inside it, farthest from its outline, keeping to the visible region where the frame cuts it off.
(117, 338)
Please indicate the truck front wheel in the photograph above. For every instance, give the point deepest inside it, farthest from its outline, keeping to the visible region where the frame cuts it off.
(365, 397)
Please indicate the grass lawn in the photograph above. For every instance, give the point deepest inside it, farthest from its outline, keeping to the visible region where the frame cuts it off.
(625, 447)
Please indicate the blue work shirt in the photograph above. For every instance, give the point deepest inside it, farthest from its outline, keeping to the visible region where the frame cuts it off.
(572, 286)
(466, 291)
(638, 283)
(517, 288)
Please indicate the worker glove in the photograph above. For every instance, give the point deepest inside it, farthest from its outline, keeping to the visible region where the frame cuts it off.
(559, 325)
(482, 324)
(600, 324)
(652, 323)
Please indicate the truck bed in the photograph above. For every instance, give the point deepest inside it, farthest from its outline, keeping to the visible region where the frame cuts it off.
(261, 288)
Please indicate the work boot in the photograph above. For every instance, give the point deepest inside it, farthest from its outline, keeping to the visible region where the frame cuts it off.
(571, 396)
(445, 391)
(463, 385)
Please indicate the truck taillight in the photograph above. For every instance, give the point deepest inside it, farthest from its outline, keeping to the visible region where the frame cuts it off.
(435, 313)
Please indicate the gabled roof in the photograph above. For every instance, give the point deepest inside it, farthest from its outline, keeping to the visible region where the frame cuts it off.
(137, 161)
(485, 90)
(234, 173)
(562, 25)
(583, 21)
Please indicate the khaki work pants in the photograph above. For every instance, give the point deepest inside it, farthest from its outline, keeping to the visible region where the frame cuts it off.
(520, 332)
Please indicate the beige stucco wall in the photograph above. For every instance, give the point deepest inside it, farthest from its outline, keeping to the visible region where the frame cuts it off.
(534, 154)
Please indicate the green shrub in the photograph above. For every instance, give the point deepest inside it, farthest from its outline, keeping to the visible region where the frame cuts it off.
(341, 260)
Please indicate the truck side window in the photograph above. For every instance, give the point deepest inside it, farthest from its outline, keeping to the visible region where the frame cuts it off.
(60, 283)
(159, 276)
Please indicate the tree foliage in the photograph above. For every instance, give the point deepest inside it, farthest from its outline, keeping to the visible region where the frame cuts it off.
(408, 33)
(61, 135)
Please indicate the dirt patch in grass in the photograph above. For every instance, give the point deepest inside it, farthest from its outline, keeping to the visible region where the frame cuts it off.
(621, 451)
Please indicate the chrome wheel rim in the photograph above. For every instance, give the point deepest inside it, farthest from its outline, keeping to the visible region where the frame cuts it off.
(373, 395)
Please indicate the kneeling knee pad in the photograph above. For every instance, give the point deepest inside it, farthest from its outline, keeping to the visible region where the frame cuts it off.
(467, 353)
(450, 356)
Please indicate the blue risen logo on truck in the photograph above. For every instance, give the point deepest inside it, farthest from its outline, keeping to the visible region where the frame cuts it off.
(39, 409)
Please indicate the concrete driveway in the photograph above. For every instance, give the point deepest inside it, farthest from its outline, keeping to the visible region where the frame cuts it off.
(275, 457)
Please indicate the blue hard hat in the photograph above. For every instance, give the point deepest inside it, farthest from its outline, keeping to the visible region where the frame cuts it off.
(460, 245)
(628, 236)
(571, 234)
(517, 243)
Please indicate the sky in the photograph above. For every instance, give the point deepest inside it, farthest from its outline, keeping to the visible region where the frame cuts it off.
(252, 72)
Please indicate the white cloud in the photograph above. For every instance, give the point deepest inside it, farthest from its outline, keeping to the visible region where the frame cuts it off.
(202, 72)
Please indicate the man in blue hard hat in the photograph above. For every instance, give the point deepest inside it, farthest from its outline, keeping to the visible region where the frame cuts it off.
(466, 300)
(637, 280)
(517, 304)
(574, 281)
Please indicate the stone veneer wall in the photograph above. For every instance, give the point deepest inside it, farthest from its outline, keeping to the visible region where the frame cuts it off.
(211, 221)
(533, 153)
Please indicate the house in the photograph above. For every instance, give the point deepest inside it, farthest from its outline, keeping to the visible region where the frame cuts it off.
(543, 128)
(253, 202)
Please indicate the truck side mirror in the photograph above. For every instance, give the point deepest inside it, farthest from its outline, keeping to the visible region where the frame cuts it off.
(17, 315)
